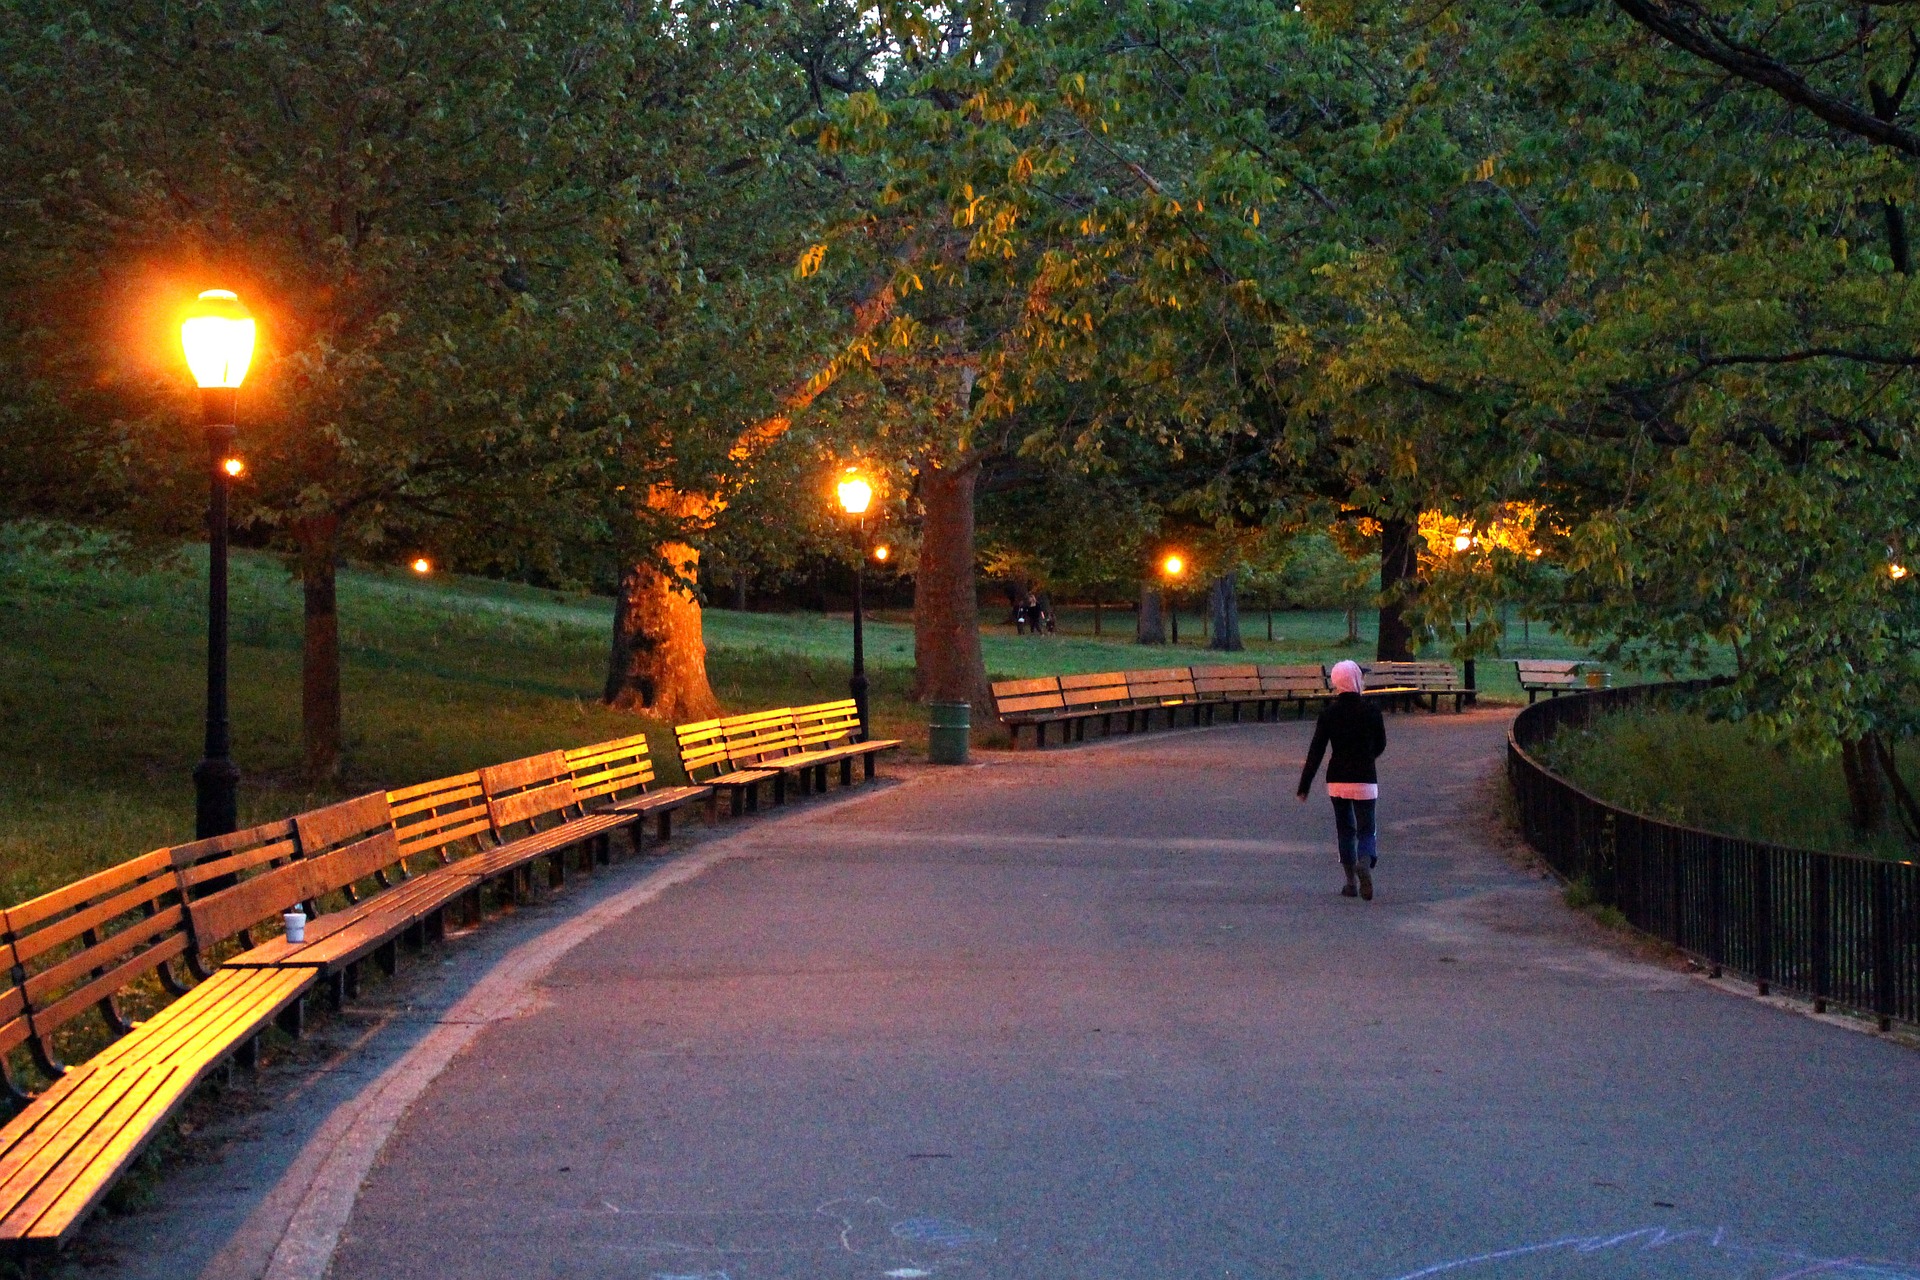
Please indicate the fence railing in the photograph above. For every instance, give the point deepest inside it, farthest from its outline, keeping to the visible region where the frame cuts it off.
(1838, 928)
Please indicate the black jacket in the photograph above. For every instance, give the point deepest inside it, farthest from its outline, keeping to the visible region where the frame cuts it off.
(1358, 734)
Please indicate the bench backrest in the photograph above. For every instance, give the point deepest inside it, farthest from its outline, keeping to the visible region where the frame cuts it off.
(1547, 673)
(235, 883)
(443, 819)
(528, 790)
(703, 746)
(1018, 697)
(74, 949)
(1294, 681)
(1228, 680)
(1411, 675)
(1163, 684)
(608, 771)
(760, 735)
(827, 724)
(1108, 688)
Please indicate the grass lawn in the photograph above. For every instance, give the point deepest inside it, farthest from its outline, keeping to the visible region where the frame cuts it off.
(1690, 770)
(102, 687)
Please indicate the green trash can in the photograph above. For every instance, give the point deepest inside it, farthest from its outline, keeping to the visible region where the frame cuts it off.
(948, 732)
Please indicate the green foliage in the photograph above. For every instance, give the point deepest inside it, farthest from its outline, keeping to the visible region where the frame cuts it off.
(1686, 768)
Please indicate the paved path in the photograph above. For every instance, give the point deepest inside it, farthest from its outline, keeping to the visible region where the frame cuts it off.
(1100, 1014)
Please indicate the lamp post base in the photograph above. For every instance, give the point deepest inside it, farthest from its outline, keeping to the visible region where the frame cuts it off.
(216, 802)
(858, 688)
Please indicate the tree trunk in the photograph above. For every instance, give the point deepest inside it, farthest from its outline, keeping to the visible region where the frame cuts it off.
(1150, 625)
(1866, 798)
(1226, 615)
(1096, 615)
(1399, 566)
(658, 663)
(947, 663)
(740, 590)
(318, 539)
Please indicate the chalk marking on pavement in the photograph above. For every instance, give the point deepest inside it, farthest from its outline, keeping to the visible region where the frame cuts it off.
(1645, 1238)
(324, 1181)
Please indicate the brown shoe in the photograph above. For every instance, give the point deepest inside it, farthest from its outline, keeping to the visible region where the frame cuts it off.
(1366, 884)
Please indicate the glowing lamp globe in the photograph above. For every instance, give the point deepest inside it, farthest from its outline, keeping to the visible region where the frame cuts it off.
(881, 553)
(235, 467)
(1174, 566)
(1896, 571)
(217, 336)
(855, 494)
(423, 565)
(1461, 541)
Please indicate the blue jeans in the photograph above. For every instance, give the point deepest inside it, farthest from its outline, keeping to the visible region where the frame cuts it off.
(1353, 823)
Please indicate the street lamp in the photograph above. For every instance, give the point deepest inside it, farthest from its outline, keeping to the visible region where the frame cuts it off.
(217, 337)
(1173, 566)
(855, 495)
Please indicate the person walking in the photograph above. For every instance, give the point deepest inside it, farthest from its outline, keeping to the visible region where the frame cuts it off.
(1358, 735)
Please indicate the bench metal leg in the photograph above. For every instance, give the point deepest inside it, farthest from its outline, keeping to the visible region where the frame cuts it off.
(248, 1054)
(557, 869)
(415, 935)
(820, 779)
(293, 1018)
(779, 788)
(1039, 735)
(846, 771)
(866, 762)
(337, 990)
(387, 956)
(663, 827)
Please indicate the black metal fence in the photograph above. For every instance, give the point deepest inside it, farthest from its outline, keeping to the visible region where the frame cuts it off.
(1841, 929)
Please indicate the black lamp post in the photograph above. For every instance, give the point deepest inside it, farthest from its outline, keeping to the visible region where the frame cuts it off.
(855, 494)
(218, 339)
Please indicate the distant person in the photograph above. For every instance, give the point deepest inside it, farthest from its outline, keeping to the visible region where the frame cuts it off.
(1358, 735)
(1034, 613)
(1046, 612)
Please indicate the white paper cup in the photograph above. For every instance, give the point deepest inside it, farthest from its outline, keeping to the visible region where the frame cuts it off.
(296, 922)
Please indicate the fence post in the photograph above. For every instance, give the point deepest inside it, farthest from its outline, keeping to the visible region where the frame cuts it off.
(1822, 909)
(1883, 944)
(1716, 909)
(1763, 919)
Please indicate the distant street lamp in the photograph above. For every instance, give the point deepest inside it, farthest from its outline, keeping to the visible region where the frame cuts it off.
(855, 495)
(423, 566)
(1173, 566)
(217, 337)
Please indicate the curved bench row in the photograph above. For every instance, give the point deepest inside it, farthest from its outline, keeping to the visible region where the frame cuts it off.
(202, 923)
(1130, 698)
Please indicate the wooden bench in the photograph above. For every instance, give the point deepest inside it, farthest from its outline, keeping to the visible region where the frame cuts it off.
(1231, 685)
(703, 747)
(341, 865)
(829, 732)
(1298, 683)
(1037, 702)
(536, 813)
(1555, 676)
(1103, 695)
(776, 740)
(1412, 681)
(617, 777)
(86, 950)
(1165, 688)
